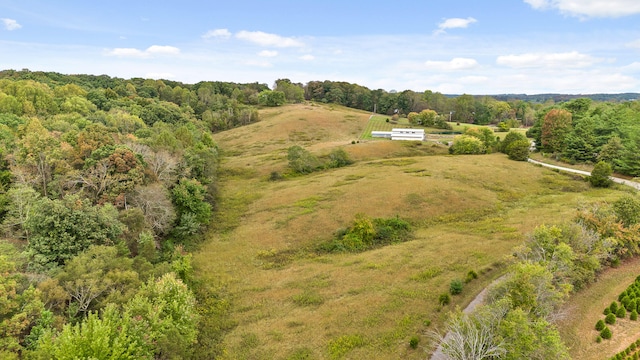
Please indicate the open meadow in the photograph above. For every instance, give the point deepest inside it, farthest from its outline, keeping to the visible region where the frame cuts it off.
(291, 301)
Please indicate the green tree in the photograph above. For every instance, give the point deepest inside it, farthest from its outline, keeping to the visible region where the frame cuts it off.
(61, 229)
(96, 277)
(168, 308)
(525, 337)
(339, 158)
(293, 93)
(518, 150)
(192, 210)
(272, 98)
(106, 337)
(600, 175)
(509, 138)
(301, 160)
(627, 210)
(466, 145)
(555, 128)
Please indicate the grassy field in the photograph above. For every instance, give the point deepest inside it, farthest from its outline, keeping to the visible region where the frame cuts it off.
(291, 302)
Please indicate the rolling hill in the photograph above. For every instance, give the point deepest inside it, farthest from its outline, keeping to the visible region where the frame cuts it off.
(291, 301)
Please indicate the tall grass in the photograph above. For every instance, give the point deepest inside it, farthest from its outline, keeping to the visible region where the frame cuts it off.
(468, 213)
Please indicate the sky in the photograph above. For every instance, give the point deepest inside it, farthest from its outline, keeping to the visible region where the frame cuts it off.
(474, 47)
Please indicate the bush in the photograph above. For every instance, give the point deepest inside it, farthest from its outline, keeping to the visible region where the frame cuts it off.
(606, 311)
(599, 339)
(445, 299)
(413, 342)
(613, 307)
(600, 325)
(339, 158)
(275, 176)
(606, 333)
(301, 160)
(455, 287)
(621, 313)
(610, 319)
(634, 315)
(600, 175)
(471, 275)
(466, 144)
(518, 150)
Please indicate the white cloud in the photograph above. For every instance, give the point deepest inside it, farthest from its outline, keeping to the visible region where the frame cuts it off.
(137, 53)
(217, 33)
(571, 59)
(452, 65)
(266, 39)
(454, 23)
(268, 53)
(126, 52)
(10, 24)
(307, 57)
(589, 8)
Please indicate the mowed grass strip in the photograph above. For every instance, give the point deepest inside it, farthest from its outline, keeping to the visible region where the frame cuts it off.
(585, 309)
(468, 214)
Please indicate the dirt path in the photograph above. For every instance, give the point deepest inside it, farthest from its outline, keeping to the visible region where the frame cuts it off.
(633, 184)
(477, 301)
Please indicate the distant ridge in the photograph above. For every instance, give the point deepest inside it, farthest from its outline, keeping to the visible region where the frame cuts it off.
(541, 98)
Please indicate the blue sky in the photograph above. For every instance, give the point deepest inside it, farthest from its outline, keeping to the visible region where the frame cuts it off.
(450, 46)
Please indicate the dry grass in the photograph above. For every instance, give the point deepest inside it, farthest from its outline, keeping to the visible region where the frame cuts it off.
(468, 211)
(585, 309)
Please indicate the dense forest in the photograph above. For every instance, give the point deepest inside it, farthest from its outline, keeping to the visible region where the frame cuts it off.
(107, 183)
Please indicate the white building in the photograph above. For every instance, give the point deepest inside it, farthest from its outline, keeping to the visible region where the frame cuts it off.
(400, 134)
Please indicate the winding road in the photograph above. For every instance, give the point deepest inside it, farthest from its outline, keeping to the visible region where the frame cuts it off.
(479, 299)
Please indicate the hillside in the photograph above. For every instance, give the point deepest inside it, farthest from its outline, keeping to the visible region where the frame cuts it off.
(290, 301)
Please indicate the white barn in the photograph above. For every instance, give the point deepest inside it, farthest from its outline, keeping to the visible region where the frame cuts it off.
(407, 134)
(400, 134)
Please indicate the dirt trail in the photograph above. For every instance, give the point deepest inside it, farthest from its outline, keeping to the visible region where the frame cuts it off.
(633, 184)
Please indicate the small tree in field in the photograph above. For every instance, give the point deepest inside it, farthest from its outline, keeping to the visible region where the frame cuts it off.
(610, 319)
(600, 325)
(600, 175)
(606, 333)
(518, 150)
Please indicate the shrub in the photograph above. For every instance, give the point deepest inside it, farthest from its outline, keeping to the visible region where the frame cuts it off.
(606, 333)
(600, 175)
(621, 313)
(413, 342)
(600, 325)
(599, 339)
(634, 315)
(467, 144)
(445, 299)
(455, 287)
(339, 158)
(301, 160)
(471, 275)
(606, 311)
(275, 176)
(610, 319)
(518, 150)
(613, 307)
